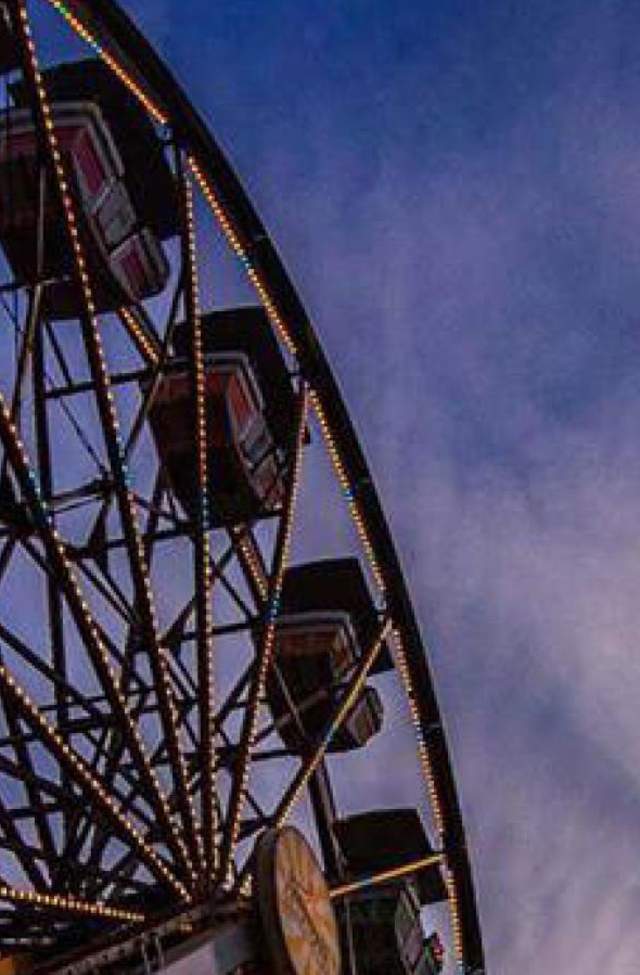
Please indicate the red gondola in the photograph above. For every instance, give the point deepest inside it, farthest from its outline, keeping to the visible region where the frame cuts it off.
(125, 261)
(244, 464)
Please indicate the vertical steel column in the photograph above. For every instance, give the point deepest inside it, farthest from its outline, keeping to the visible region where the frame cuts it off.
(202, 572)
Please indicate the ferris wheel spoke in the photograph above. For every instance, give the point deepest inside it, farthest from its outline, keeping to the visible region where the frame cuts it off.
(154, 513)
(217, 568)
(244, 547)
(106, 408)
(86, 625)
(264, 645)
(53, 596)
(32, 783)
(119, 877)
(50, 902)
(28, 333)
(147, 344)
(76, 767)
(116, 744)
(158, 368)
(14, 841)
(201, 557)
(108, 588)
(24, 772)
(5, 555)
(155, 353)
(295, 709)
(140, 319)
(25, 336)
(58, 354)
(251, 561)
(140, 579)
(176, 630)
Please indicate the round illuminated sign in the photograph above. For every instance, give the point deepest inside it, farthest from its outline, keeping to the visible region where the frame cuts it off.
(299, 923)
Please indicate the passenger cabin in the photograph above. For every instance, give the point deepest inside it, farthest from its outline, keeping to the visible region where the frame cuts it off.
(250, 410)
(105, 153)
(387, 932)
(328, 620)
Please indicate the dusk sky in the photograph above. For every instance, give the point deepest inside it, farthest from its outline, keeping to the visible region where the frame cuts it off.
(455, 190)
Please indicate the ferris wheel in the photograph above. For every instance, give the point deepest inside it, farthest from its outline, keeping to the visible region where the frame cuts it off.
(220, 745)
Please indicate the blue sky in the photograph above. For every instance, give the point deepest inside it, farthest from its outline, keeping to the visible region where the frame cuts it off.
(454, 188)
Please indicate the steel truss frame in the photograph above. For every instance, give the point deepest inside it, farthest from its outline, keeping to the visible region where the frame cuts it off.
(134, 763)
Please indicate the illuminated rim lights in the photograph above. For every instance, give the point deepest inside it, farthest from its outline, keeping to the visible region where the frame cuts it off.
(431, 773)
(146, 348)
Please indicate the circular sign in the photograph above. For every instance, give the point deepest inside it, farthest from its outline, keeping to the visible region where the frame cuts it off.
(299, 923)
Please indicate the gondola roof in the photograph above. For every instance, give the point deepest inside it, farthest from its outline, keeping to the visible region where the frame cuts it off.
(247, 329)
(387, 838)
(148, 176)
(336, 584)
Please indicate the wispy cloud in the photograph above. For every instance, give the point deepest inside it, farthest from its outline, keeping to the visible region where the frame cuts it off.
(456, 195)
(500, 406)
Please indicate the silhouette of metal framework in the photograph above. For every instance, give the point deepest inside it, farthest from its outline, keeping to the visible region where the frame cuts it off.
(128, 807)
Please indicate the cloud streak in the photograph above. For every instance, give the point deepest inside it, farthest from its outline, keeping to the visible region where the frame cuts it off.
(455, 192)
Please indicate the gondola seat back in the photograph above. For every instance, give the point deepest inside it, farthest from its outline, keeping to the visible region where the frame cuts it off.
(246, 330)
(148, 177)
(314, 653)
(337, 585)
(125, 263)
(388, 937)
(244, 470)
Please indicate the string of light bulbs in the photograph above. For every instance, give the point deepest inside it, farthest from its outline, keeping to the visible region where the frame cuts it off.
(277, 320)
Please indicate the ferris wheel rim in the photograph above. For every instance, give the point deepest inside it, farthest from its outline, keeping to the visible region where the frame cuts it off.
(210, 160)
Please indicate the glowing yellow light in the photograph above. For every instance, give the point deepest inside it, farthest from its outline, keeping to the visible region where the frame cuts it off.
(386, 875)
(72, 904)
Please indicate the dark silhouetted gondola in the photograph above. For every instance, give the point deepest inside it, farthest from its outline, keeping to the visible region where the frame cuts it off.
(243, 463)
(328, 620)
(385, 920)
(124, 258)
(250, 418)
